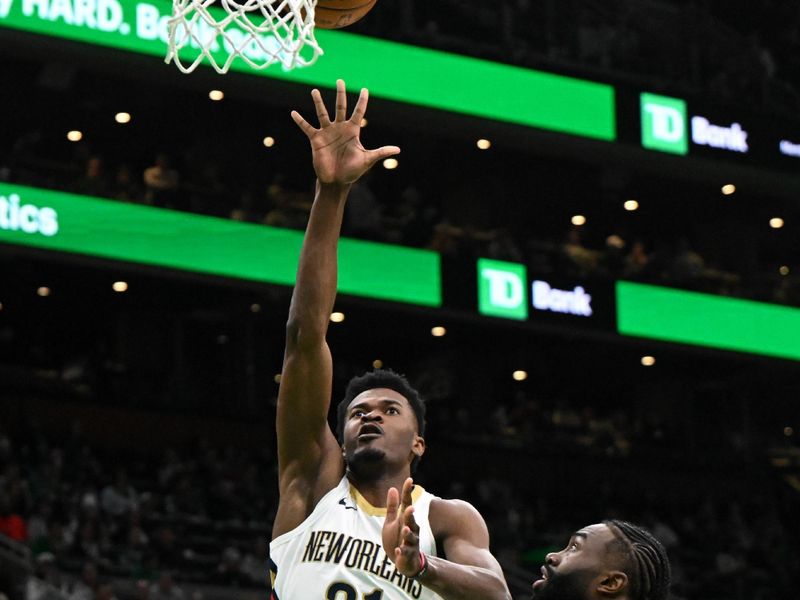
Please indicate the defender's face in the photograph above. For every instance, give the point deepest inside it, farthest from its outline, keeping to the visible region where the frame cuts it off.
(574, 572)
(381, 424)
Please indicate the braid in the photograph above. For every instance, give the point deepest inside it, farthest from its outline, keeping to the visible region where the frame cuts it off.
(647, 558)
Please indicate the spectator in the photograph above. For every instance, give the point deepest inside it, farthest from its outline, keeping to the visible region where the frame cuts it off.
(94, 181)
(119, 499)
(11, 523)
(161, 182)
(165, 588)
(255, 564)
(86, 587)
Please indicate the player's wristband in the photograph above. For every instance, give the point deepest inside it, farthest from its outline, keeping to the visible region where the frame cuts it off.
(423, 566)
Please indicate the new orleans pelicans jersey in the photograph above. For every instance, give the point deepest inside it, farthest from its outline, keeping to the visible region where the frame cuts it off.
(337, 554)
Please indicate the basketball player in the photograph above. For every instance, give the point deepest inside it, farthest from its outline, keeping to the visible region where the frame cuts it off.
(610, 560)
(343, 531)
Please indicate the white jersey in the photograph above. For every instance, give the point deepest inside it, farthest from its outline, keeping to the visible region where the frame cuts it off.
(337, 554)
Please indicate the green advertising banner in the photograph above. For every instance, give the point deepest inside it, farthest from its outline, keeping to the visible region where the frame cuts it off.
(152, 236)
(703, 320)
(390, 70)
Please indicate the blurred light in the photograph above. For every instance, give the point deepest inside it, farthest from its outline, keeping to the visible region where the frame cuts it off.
(578, 220)
(43, 291)
(255, 308)
(337, 317)
(120, 286)
(648, 361)
(222, 338)
(277, 378)
(615, 241)
(269, 141)
(377, 363)
(788, 431)
(631, 205)
(520, 375)
(1, 306)
(729, 189)
(390, 163)
(74, 135)
(364, 122)
(776, 222)
(784, 270)
(122, 117)
(438, 331)
(484, 144)
(216, 95)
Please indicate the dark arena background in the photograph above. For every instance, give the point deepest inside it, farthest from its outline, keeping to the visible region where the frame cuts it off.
(586, 257)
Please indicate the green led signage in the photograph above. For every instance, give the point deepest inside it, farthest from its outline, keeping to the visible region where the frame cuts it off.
(394, 71)
(664, 124)
(502, 289)
(152, 236)
(703, 320)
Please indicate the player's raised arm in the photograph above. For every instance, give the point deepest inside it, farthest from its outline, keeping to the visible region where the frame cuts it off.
(309, 458)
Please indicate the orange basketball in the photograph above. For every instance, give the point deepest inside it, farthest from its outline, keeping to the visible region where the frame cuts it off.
(335, 14)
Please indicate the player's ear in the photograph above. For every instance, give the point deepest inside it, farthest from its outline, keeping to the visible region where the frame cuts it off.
(612, 584)
(418, 448)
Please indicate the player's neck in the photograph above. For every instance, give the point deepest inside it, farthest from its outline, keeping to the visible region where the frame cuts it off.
(374, 490)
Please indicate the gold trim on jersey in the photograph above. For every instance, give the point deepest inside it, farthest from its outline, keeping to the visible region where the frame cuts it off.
(376, 511)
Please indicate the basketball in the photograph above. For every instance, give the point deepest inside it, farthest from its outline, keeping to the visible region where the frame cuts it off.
(335, 14)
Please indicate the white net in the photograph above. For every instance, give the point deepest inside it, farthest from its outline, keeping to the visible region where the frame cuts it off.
(260, 32)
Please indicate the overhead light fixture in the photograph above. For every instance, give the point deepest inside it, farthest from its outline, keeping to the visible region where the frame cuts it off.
(648, 361)
(74, 135)
(337, 317)
(578, 220)
(120, 286)
(631, 205)
(255, 308)
(519, 375)
(364, 122)
(377, 363)
(269, 141)
(43, 291)
(122, 117)
(390, 163)
(776, 222)
(484, 144)
(438, 331)
(216, 95)
(277, 378)
(728, 189)
(784, 270)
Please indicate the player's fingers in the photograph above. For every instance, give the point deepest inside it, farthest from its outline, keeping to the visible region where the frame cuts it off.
(408, 486)
(410, 538)
(374, 156)
(341, 101)
(303, 124)
(319, 105)
(361, 107)
(392, 502)
(409, 520)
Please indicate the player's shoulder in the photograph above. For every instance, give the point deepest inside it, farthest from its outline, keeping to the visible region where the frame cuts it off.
(450, 515)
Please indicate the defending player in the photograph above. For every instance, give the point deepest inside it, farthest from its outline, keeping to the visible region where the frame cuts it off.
(609, 560)
(342, 530)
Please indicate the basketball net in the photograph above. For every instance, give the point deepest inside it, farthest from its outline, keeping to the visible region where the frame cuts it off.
(260, 32)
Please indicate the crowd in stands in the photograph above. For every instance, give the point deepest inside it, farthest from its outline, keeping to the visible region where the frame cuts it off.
(167, 522)
(735, 53)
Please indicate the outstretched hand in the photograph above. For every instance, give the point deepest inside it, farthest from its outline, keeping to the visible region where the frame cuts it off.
(339, 157)
(401, 532)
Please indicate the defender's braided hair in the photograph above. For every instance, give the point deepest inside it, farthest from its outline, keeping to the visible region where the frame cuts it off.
(646, 558)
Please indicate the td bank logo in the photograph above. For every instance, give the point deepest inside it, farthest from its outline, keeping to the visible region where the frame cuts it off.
(664, 124)
(27, 218)
(502, 289)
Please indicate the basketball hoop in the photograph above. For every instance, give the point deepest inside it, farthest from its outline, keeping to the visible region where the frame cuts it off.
(260, 32)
